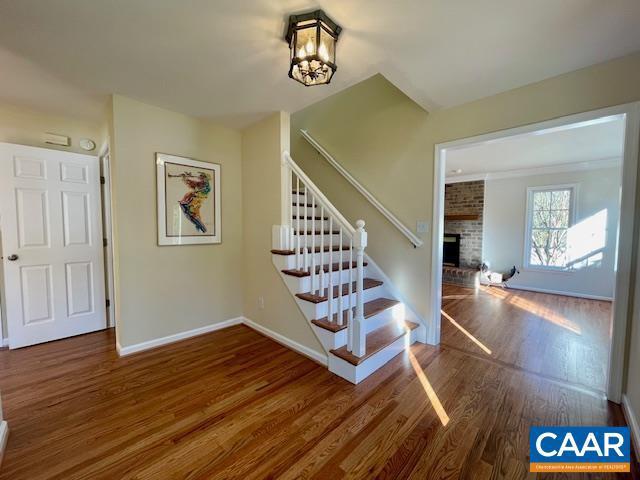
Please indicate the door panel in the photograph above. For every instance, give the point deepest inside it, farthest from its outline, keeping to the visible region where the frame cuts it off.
(73, 173)
(37, 295)
(33, 217)
(26, 167)
(75, 216)
(79, 288)
(50, 221)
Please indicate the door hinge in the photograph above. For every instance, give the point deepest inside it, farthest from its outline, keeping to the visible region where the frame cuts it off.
(108, 302)
(103, 180)
(104, 242)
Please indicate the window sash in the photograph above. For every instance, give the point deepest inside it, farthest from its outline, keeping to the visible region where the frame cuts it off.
(529, 251)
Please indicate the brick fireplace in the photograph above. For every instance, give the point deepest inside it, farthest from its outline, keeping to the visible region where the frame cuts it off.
(463, 226)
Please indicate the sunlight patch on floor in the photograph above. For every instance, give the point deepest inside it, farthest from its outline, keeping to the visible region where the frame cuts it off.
(545, 313)
(537, 309)
(431, 394)
(466, 332)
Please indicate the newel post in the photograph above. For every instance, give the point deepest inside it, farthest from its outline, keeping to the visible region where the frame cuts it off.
(359, 334)
(282, 238)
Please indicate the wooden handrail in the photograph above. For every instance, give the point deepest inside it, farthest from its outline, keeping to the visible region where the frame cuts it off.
(413, 238)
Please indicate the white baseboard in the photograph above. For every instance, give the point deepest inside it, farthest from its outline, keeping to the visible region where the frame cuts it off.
(287, 342)
(4, 436)
(559, 292)
(4, 343)
(139, 347)
(634, 426)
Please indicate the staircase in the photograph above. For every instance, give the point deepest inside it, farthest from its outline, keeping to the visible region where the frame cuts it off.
(349, 302)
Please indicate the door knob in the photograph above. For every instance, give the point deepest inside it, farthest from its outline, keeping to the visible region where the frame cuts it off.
(12, 258)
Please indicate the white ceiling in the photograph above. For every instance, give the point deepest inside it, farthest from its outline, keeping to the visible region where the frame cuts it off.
(226, 60)
(586, 144)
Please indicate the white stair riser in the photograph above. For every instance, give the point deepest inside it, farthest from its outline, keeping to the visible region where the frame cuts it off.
(289, 261)
(335, 239)
(303, 284)
(330, 340)
(355, 374)
(320, 310)
(314, 211)
(383, 318)
(317, 224)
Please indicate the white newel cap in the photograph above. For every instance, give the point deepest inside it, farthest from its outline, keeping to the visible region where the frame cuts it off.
(360, 239)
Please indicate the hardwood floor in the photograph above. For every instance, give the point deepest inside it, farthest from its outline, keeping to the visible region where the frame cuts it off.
(564, 338)
(234, 404)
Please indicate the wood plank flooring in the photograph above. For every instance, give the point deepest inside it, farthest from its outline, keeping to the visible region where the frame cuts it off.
(233, 404)
(560, 337)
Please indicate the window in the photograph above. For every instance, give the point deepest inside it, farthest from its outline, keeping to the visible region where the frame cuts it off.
(549, 216)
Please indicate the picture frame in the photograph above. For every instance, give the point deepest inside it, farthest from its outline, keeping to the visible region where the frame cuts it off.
(188, 194)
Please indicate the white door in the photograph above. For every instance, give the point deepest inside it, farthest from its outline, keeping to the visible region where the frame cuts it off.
(51, 244)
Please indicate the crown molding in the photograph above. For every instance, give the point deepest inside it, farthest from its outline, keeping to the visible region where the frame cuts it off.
(527, 172)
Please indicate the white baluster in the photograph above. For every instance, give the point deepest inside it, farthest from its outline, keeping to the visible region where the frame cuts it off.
(292, 243)
(340, 318)
(322, 279)
(306, 230)
(359, 335)
(298, 246)
(330, 286)
(305, 253)
(350, 311)
(314, 275)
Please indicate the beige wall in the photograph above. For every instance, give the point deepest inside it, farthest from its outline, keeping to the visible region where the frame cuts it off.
(388, 144)
(262, 144)
(166, 290)
(380, 136)
(26, 127)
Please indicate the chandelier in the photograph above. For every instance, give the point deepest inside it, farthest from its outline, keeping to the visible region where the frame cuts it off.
(312, 40)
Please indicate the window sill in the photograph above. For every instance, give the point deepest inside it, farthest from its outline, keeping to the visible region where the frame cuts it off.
(556, 271)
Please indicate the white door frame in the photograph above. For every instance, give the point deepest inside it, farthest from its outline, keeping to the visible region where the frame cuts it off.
(622, 294)
(105, 169)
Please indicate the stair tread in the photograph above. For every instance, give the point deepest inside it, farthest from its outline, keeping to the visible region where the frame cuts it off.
(335, 248)
(334, 267)
(296, 204)
(370, 308)
(309, 217)
(376, 341)
(314, 298)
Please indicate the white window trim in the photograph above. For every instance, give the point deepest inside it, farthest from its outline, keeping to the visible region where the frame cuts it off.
(529, 220)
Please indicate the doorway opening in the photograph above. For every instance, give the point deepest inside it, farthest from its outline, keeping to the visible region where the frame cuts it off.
(544, 216)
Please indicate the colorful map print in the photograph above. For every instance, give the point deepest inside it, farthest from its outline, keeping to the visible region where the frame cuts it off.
(191, 203)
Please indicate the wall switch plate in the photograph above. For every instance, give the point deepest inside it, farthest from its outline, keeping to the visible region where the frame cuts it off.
(422, 227)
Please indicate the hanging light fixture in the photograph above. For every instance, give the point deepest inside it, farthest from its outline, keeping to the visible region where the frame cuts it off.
(312, 40)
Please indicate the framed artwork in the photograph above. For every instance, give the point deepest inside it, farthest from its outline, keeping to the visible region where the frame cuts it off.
(188, 201)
